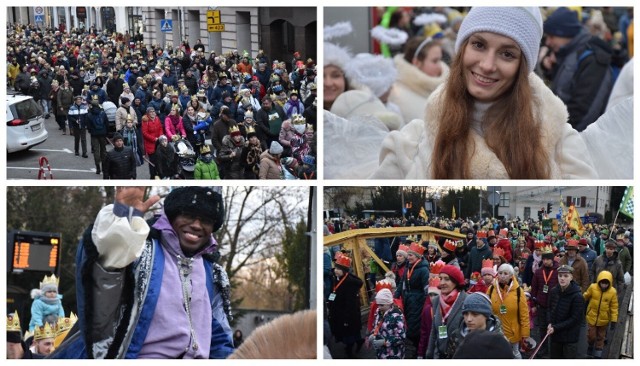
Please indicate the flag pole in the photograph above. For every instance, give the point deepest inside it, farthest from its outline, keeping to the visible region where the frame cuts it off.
(614, 222)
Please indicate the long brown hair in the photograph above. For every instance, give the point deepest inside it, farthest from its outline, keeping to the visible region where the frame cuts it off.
(511, 131)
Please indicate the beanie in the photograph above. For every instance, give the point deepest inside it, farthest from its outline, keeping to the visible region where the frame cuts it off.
(117, 136)
(477, 302)
(124, 100)
(454, 273)
(563, 23)
(275, 148)
(199, 201)
(522, 24)
(484, 344)
(384, 297)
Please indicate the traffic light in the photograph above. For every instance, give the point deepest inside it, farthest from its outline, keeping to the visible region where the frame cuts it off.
(549, 207)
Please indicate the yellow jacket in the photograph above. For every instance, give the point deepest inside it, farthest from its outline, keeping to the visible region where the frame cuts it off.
(12, 72)
(515, 323)
(602, 307)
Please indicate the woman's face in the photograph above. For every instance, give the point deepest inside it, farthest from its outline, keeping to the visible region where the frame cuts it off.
(446, 285)
(334, 83)
(490, 65)
(504, 277)
(431, 63)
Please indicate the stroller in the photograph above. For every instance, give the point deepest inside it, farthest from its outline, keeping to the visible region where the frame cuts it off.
(186, 157)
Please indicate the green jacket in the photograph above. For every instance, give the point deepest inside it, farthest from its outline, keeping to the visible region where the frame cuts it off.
(625, 258)
(206, 170)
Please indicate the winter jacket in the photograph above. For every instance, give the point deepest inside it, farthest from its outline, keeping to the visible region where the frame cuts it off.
(625, 258)
(234, 168)
(408, 153)
(413, 290)
(270, 168)
(505, 244)
(219, 130)
(602, 306)
(170, 129)
(344, 310)
(613, 265)
(515, 322)
(476, 256)
(580, 271)
(392, 330)
(206, 170)
(97, 122)
(537, 284)
(65, 99)
(121, 116)
(43, 307)
(566, 313)
(412, 88)
(120, 164)
(77, 116)
(151, 130)
(445, 347)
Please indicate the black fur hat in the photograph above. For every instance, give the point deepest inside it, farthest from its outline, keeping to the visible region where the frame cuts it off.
(198, 201)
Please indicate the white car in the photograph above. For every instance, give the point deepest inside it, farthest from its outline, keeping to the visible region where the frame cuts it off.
(25, 123)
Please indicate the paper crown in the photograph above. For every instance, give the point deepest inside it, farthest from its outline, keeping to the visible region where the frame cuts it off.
(298, 119)
(194, 97)
(64, 324)
(44, 332)
(129, 117)
(343, 261)
(487, 263)
(475, 276)
(491, 233)
(234, 130)
(539, 244)
(403, 248)
(498, 251)
(547, 249)
(503, 232)
(449, 245)
(482, 234)
(417, 249)
(222, 75)
(572, 243)
(526, 288)
(434, 284)
(13, 323)
(309, 128)
(49, 282)
(620, 236)
(436, 267)
(383, 284)
(250, 129)
(94, 97)
(205, 149)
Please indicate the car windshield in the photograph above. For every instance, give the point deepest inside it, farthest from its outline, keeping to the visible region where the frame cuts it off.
(27, 109)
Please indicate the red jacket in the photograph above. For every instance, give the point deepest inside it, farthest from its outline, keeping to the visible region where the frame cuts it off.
(505, 245)
(151, 130)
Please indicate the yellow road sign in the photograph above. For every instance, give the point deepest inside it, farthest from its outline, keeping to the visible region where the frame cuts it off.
(215, 27)
(213, 17)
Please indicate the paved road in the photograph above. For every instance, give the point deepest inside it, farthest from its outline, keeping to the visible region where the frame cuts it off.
(59, 150)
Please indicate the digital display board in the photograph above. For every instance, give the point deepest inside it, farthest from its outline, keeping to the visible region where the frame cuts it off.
(35, 251)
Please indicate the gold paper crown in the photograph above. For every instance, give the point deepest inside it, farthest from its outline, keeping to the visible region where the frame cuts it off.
(50, 280)
(44, 332)
(13, 323)
(175, 107)
(297, 119)
(233, 129)
(309, 128)
(222, 74)
(129, 117)
(547, 249)
(250, 129)
(205, 149)
(64, 324)
(94, 97)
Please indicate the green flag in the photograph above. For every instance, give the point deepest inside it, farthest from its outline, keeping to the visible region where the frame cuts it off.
(626, 206)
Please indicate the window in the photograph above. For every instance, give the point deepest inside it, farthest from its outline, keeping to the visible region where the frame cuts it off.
(504, 199)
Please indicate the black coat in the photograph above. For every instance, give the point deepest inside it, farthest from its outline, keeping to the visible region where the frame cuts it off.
(119, 164)
(344, 310)
(414, 292)
(567, 313)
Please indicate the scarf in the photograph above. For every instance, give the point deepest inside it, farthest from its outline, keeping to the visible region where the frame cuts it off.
(446, 303)
(174, 119)
(132, 141)
(536, 262)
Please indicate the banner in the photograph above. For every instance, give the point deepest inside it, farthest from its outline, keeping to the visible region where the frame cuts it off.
(574, 221)
(423, 214)
(626, 206)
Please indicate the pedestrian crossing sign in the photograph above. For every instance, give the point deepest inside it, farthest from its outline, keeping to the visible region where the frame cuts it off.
(39, 18)
(166, 25)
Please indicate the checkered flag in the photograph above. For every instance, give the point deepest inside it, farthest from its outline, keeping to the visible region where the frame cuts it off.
(626, 206)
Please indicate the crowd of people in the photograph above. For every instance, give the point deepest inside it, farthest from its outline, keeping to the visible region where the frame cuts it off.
(160, 106)
(460, 93)
(527, 290)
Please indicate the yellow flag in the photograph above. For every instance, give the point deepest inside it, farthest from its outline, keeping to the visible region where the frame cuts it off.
(574, 221)
(453, 212)
(423, 214)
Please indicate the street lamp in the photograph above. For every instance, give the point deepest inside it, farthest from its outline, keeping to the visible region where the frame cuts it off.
(459, 207)
(480, 211)
(496, 203)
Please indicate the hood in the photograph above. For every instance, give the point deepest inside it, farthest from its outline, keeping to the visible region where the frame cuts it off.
(171, 242)
(605, 275)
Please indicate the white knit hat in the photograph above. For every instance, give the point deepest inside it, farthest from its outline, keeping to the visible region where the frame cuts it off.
(384, 297)
(522, 24)
(376, 72)
(333, 53)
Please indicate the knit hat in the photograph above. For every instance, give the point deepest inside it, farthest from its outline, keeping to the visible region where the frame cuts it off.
(198, 201)
(484, 344)
(116, 137)
(275, 148)
(402, 250)
(334, 54)
(487, 267)
(384, 297)
(454, 273)
(522, 24)
(610, 243)
(477, 302)
(49, 283)
(563, 23)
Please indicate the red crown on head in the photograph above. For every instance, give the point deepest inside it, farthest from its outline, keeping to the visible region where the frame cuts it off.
(383, 284)
(343, 261)
(417, 248)
(539, 244)
(487, 263)
(436, 267)
(525, 255)
(572, 243)
(449, 245)
(504, 232)
(434, 282)
(475, 276)
(403, 248)
(492, 233)
(498, 251)
(482, 234)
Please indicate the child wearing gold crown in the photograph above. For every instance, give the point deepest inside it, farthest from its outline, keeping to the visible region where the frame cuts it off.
(47, 304)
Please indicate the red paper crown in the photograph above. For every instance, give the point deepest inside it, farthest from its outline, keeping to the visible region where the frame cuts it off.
(475, 276)
(417, 248)
(498, 251)
(482, 234)
(539, 244)
(383, 284)
(436, 267)
(492, 233)
(487, 263)
(403, 248)
(525, 255)
(343, 261)
(449, 245)
(572, 243)
(504, 232)
(434, 282)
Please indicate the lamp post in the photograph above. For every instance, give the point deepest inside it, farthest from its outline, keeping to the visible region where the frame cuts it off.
(496, 203)
(459, 207)
(480, 210)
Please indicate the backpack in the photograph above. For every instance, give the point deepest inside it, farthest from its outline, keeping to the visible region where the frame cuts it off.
(599, 103)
